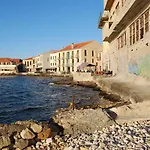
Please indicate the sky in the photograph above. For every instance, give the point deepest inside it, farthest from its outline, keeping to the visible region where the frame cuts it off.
(31, 27)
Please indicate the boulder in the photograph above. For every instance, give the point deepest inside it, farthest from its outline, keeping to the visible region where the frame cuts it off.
(21, 143)
(27, 134)
(45, 134)
(4, 141)
(36, 127)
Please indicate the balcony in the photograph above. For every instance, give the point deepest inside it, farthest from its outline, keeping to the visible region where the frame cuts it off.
(98, 58)
(77, 56)
(68, 64)
(103, 18)
(72, 56)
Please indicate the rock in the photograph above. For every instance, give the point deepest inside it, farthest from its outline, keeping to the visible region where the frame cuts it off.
(6, 148)
(36, 127)
(46, 133)
(29, 148)
(27, 134)
(68, 148)
(21, 143)
(83, 148)
(4, 141)
(49, 140)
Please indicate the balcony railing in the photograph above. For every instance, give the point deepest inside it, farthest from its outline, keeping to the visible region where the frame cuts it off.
(77, 55)
(103, 18)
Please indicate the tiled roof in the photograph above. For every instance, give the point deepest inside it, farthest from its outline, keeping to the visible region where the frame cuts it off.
(16, 60)
(75, 46)
(7, 60)
(29, 58)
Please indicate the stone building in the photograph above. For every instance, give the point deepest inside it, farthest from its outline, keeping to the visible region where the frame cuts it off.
(125, 26)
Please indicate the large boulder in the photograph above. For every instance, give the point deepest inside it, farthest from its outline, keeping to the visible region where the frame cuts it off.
(83, 121)
(27, 134)
(36, 127)
(46, 133)
(4, 141)
(21, 143)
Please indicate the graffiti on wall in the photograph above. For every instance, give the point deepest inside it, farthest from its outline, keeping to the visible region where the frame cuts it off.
(140, 67)
(133, 66)
(144, 66)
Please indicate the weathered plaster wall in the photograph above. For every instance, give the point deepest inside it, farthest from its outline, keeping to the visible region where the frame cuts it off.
(131, 59)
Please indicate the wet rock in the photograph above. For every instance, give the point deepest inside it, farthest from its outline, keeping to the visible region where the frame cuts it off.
(21, 143)
(36, 127)
(46, 133)
(27, 134)
(4, 141)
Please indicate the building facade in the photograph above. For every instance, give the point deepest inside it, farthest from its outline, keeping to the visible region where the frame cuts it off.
(125, 26)
(72, 56)
(28, 64)
(8, 65)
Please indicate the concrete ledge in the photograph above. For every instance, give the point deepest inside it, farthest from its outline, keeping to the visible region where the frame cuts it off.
(127, 90)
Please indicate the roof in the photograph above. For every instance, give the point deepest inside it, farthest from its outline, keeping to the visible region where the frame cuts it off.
(28, 58)
(7, 60)
(75, 46)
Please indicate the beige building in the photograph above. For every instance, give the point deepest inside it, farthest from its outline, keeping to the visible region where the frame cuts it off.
(8, 65)
(125, 26)
(53, 61)
(72, 57)
(28, 64)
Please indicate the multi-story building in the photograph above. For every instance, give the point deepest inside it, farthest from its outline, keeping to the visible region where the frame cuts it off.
(38, 63)
(28, 64)
(126, 37)
(72, 56)
(8, 65)
(53, 61)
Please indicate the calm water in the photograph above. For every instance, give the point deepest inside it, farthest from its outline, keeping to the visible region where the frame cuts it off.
(24, 98)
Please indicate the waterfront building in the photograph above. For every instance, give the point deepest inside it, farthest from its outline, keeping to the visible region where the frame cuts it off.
(8, 65)
(28, 64)
(125, 26)
(38, 63)
(74, 55)
(54, 61)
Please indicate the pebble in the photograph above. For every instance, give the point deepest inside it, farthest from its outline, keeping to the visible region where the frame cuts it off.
(131, 136)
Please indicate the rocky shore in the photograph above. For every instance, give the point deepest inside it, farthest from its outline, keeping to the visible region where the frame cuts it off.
(31, 135)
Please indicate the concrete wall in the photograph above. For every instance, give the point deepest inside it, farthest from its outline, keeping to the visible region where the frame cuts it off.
(81, 76)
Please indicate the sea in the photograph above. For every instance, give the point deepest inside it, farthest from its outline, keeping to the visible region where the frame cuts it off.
(37, 98)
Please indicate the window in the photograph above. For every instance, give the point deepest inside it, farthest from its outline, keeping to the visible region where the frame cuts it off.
(72, 61)
(92, 53)
(85, 60)
(92, 60)
(133, 32)
(131, 35)
(147, 21)
(122, 40)
(72, 68)
(77, 59)
(137, 30)
(84, 52)
(141, 27)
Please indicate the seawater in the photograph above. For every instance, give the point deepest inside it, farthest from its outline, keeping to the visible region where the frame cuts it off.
(25, 98)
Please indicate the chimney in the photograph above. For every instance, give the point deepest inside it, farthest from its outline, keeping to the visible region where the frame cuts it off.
(72, 45)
